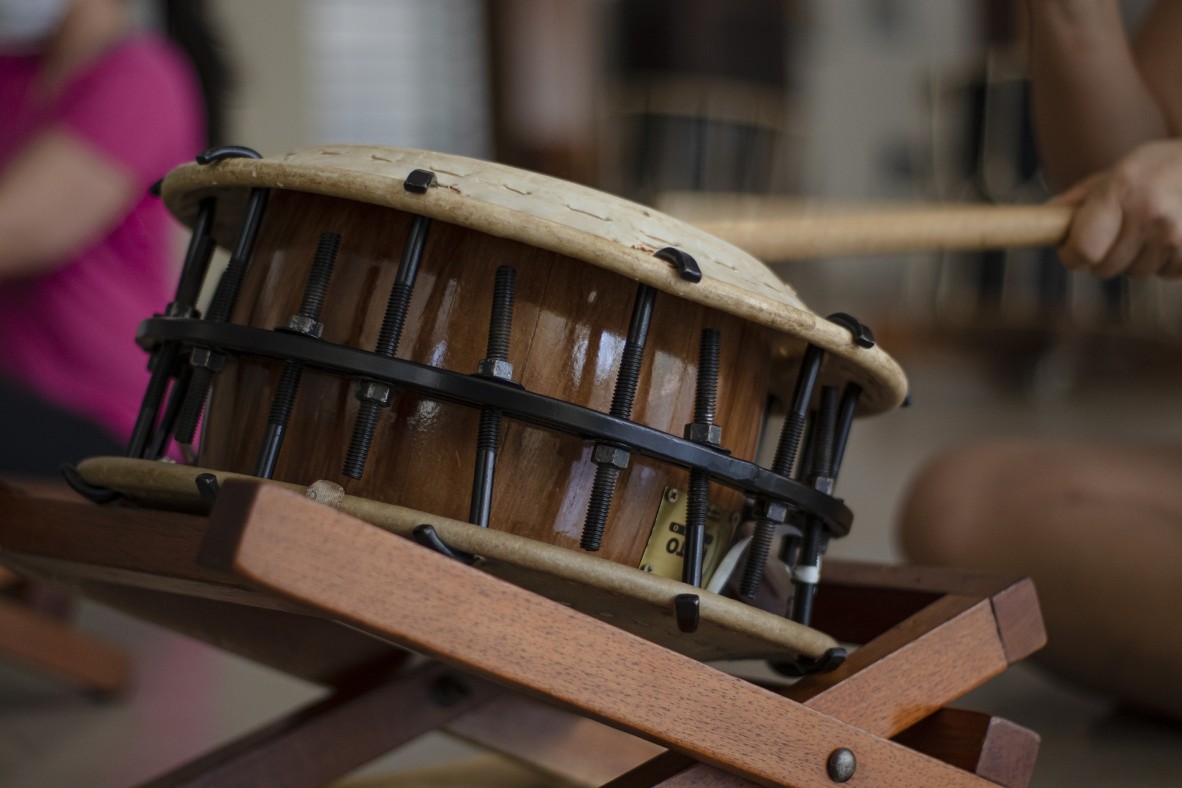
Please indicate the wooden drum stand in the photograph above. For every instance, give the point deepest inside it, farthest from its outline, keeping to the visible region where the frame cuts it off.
(306, 589)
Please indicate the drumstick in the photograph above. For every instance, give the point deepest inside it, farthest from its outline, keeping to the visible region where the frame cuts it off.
(804, 231)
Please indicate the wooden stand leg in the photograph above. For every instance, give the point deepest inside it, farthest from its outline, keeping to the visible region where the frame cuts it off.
(990, 747)
(51, 647)
(482, 625)
(996, 749)
(326, 740)
(954, 630)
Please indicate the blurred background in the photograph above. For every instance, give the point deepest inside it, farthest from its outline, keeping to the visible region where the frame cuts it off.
(858, 101)
(801, 100)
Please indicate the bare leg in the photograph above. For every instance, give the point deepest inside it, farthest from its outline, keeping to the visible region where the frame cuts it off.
(1098, 528)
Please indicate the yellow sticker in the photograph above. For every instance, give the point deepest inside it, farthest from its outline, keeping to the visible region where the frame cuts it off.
(666, 545)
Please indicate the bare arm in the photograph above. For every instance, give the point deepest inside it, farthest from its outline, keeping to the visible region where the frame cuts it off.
(1159, 59)
(1091, 101)
(1108, 113)
(56, 196)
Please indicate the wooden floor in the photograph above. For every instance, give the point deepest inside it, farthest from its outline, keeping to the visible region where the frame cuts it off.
(187, 697)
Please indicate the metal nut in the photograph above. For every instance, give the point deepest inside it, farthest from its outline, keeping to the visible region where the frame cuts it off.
(203, 357)
(495, 368)
(824, 484)
(606, 454)
(772, 511)
(302, 324)
(704, 433)
(372, 391)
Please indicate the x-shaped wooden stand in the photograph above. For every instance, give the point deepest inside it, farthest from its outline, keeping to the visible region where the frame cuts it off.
(321, 595)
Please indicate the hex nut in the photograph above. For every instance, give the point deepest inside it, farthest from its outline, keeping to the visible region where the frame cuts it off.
(373, 391)
(772, 511)
(606, 454)
(204, 358)
(495, 368)
(704, 433)
(302, 324)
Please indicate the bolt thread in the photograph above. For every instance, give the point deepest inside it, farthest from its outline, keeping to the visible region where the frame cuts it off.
(757, 553)
(194, 404)
(602, 492)
(501, 324)
(226, 292)
(626, 380)
(698, 498)
(697, 509)
(806, 378)
(706, 399)
(389, 336)
(489, 433)
(788, 445)
(285, 393)
(633, 355)
(363, 429)
(320, 275)
(404, 281)
(395, 317)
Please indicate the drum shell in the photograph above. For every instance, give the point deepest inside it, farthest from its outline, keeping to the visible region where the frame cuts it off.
(569, 324)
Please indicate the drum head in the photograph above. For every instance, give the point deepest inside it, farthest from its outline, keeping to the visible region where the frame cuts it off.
(551, 214)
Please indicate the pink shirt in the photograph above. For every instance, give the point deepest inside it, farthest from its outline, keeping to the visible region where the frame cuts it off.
(69, 334)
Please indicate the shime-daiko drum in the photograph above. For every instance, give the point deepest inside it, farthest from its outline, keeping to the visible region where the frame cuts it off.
(446, 344)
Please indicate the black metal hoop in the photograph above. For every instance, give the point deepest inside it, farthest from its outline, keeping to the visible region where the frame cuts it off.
(511, 399)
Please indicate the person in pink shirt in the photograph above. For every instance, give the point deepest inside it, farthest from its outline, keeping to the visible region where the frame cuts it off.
(92, 112)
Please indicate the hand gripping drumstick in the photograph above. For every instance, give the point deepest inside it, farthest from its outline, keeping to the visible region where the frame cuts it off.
(803, 233)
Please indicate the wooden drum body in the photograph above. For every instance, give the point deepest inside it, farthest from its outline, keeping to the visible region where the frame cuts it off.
(629, 369)
(569, 326)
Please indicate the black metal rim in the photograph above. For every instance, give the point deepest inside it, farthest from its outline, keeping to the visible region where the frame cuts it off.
(510, 398)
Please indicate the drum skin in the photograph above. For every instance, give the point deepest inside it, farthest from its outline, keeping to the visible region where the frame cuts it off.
(569, 324)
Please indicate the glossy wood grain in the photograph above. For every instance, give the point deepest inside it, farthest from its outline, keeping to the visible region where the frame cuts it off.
(570, 321)
(340, 565)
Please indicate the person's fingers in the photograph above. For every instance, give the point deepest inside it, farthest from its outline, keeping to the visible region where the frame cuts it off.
(1151, 260)
(1163, 244)
(1094, 229)
(1128, 245)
